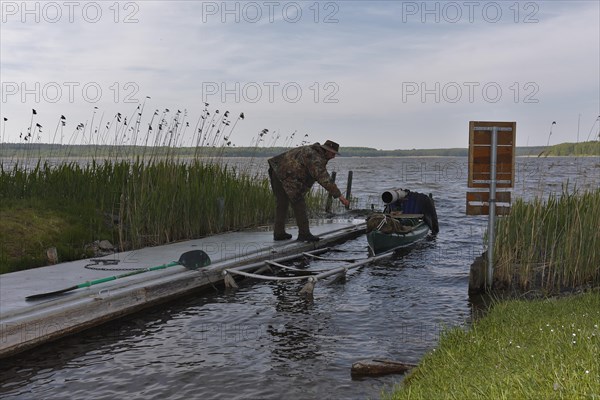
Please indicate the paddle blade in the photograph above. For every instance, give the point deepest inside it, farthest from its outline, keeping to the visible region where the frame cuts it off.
(194, 259)
(42, 295)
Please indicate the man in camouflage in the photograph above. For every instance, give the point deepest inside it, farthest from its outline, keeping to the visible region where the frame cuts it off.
(292, 175)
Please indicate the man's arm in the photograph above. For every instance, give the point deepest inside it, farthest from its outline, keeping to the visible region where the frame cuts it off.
(317, 170)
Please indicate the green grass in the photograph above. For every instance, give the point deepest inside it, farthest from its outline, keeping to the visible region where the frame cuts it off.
(542, 349)
(31, 226)
(549, 245)
(591, 148)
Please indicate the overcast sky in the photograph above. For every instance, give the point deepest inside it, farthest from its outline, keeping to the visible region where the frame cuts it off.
(389, 75)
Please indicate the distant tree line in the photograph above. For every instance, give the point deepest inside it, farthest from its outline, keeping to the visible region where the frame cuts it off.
(42, 150)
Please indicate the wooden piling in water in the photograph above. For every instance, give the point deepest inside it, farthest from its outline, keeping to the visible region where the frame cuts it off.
(349, 187)
(477, 275)
(329, 198)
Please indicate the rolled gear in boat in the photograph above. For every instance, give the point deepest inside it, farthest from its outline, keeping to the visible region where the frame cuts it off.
(386, 224)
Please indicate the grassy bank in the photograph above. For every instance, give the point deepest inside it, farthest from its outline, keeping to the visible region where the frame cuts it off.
(543, 349)
(130, 203)
(590, 148)
(550, 245)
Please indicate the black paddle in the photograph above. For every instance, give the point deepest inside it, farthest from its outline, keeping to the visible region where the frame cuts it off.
(192, 259)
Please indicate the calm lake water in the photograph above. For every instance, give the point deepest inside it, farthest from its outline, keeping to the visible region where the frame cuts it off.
(264, 341)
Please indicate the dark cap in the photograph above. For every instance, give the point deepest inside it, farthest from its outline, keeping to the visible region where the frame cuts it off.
(331, 146)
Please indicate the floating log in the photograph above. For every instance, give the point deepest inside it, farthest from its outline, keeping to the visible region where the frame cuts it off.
(379, 367)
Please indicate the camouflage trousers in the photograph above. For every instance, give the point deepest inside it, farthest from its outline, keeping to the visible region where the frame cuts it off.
(281, 209)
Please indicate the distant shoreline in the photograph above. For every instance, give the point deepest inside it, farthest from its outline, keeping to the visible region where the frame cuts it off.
(42, 150)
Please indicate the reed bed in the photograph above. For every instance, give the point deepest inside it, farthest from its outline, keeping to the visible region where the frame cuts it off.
(133, 188)
(551, 245)
(149, 203)
(136, 204)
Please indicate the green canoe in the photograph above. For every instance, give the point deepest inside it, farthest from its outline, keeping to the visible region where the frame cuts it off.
(384, 239)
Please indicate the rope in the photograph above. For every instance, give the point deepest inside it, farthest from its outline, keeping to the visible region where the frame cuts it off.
(382, 223)
(207, 276)
(98, 261)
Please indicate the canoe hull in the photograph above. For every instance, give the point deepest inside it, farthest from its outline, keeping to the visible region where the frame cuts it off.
(380, 242)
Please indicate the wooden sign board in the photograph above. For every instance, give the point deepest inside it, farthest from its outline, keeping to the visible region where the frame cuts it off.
(480, 149)
(483, 197)
(485, 210)
(478, 203)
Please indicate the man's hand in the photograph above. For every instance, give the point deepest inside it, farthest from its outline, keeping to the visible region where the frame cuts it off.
(344, 201)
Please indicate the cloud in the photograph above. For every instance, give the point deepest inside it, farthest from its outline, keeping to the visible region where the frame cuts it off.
(357, 74)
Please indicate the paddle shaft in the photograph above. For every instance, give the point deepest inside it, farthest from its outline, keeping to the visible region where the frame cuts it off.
(98, 281)
(112, 278)
(191, 259)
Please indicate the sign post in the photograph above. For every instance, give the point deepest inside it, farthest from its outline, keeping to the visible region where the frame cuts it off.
(491, 155)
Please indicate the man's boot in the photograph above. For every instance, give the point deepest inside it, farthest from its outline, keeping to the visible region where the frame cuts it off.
(281, 208)
(304, 234)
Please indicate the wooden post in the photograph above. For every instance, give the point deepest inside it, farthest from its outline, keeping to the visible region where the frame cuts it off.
(349, 188)
(329, 198)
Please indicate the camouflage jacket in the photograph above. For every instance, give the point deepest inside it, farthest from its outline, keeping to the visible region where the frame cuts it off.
(299, 168)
